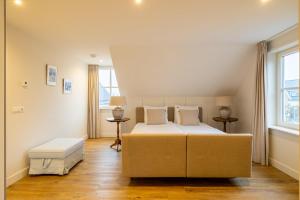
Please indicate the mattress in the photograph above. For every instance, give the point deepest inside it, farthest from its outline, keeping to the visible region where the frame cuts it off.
(172, 128)
(57, 148)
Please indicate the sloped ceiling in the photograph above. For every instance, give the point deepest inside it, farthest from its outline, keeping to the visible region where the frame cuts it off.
(181, 70)
(161, 47)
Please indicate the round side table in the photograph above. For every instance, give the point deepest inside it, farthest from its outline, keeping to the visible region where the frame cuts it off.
(117, 142)
(225, 121)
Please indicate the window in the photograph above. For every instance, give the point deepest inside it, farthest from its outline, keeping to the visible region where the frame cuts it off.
(108, 85)
(289, 88)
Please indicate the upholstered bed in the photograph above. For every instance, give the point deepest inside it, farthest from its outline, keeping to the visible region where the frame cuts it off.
(172, 150)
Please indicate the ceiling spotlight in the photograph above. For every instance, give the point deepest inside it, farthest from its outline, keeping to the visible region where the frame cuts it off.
(138, 1)
(18, 2)
(265, 1)
(101, 61)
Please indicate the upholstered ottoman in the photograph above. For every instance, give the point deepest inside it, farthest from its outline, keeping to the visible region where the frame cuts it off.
(56, 157)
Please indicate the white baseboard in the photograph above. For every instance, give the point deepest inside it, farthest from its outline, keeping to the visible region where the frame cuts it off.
(16, 176)
(284, 168)
(85, 137)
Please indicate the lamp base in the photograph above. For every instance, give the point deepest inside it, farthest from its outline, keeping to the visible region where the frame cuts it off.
(118, 113)
(225, 112)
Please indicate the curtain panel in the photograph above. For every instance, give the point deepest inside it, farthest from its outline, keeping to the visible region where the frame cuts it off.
(260, 130)
(93, 102)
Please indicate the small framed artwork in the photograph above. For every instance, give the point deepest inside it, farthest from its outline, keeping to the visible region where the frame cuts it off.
(67, 86)
(51, 75)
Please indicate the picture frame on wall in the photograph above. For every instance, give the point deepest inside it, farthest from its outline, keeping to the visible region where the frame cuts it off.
(51, 75)
(67, 86)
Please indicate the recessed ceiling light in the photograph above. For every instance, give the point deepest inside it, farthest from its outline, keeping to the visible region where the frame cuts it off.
(18, 2)
(101, 61)
(265, 1)
(138, 1)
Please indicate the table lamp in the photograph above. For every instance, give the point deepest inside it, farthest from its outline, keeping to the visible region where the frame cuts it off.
(224, 102)
(117, 101)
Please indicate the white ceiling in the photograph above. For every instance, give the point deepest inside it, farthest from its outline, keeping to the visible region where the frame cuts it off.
(228, 28)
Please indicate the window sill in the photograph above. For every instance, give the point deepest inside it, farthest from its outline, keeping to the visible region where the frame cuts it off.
(285, 130)
(106, 107)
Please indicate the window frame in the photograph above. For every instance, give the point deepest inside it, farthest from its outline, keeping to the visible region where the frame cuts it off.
(110, 68)
(281, 88)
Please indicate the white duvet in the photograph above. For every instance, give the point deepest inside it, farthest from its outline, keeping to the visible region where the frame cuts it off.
(202, 128)
(163, 128)
(171, 127)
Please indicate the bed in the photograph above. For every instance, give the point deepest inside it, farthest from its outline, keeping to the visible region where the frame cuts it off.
(172, 150)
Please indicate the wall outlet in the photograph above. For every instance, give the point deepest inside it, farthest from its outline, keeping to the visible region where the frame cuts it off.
(18, 109)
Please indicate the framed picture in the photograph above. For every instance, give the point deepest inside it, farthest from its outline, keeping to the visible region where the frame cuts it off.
(67, 86)
(51, 75)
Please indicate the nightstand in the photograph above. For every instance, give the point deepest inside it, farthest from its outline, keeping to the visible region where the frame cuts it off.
(118, 140)
(225, 121)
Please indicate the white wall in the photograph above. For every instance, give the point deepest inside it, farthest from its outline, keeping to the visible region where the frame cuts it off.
(48, 112)
(244, 97)
(207, 103)
(284, 152)
(2, 176)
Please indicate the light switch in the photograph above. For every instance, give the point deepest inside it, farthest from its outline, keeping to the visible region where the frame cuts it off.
(18, 109)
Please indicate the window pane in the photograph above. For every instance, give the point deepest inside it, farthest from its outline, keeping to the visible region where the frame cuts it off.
(115, 92)
(104, 96)
(291, 70)
(114, 82)
(291, 106)
(104, 76)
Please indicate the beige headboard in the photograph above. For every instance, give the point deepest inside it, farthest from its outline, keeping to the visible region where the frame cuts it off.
(171, 110)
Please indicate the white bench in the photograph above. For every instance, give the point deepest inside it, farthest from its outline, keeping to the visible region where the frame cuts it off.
(56, 157)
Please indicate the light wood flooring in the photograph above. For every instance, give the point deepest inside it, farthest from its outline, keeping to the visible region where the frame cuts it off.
(99, 177)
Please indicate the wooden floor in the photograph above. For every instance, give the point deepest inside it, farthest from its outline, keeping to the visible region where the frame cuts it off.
(99, 177)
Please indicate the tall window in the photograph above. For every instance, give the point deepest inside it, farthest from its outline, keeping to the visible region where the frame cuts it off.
(289, 88)
(108, 85)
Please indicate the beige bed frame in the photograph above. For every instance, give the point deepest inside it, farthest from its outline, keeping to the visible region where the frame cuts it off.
(186, 155)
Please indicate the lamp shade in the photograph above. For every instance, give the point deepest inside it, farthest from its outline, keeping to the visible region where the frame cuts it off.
(225, 101)
(117, 101)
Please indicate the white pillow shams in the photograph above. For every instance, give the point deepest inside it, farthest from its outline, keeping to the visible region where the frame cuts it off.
(189, 117)
(178, 107)
(154, 118)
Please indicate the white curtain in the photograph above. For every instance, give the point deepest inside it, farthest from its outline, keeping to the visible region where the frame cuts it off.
(260, 130)
(93, 101)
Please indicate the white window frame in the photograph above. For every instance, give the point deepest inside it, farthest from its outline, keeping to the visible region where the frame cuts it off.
(110, 86)
(281, 88)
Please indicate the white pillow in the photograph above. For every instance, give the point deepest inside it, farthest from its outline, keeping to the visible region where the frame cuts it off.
(178, 107)
(189, 117)
(155, 107)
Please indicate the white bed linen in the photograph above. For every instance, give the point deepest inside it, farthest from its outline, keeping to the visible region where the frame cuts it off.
(171, 127)
(202, 128)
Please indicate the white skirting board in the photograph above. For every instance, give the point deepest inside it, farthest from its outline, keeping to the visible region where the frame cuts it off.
(85, 137)
(284, 168)
(16, 176)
